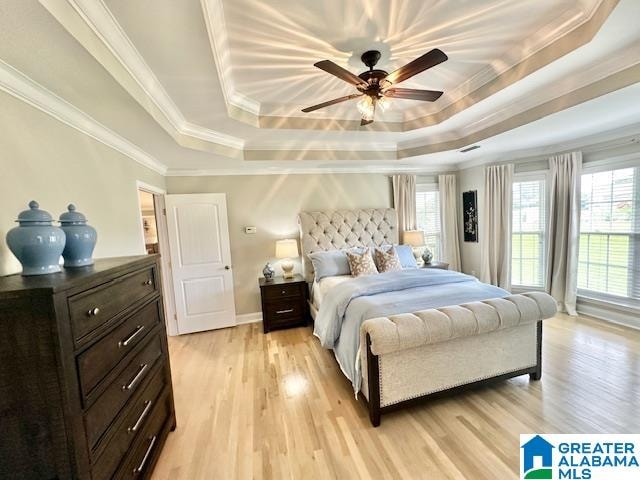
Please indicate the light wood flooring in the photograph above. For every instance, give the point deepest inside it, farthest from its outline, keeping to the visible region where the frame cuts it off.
(276, 406)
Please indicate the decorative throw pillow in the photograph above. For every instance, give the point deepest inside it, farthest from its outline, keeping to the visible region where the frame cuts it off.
(361, 263)
(387, 261)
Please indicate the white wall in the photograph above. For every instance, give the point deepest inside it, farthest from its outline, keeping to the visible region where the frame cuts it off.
(271, 203)
(45, 160)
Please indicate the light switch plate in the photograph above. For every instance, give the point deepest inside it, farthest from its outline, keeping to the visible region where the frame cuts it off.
(250, 230)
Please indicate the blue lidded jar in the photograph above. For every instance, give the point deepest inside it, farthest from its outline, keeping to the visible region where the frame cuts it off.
(35, 242)
(81, 238)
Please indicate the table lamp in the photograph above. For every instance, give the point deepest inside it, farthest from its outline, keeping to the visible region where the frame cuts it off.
(414, 238)
(286, 250)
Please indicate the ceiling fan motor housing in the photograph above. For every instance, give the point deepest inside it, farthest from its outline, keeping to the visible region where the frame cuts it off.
(370, 58)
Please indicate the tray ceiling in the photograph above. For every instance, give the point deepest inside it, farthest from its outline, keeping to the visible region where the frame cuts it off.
(225, 79)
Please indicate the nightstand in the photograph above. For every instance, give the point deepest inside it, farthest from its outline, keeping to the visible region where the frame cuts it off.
(284, 302)
(440, 265)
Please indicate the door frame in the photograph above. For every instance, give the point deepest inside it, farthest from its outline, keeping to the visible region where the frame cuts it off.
(165, 254)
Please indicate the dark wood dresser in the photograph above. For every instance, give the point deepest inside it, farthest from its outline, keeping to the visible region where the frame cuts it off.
(85, 383)
(284, 302)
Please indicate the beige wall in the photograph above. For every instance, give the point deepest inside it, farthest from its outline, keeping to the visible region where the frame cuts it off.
(45, 160)
(271, 203)
(473, 179)
(470, 179)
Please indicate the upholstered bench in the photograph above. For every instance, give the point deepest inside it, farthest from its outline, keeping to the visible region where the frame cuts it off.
(408, 357)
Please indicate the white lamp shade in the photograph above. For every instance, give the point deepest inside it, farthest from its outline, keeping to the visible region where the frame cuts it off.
(415, 238)
(287, 248)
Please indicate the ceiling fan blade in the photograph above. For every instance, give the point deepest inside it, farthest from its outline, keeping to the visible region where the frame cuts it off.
(420, 64)
(364, 122)
(331, 102)
(413, 94)
(343, 74)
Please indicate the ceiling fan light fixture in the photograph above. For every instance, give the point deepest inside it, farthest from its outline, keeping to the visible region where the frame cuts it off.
(366, 107)
(383, 103)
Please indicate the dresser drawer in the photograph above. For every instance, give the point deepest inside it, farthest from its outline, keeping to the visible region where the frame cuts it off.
(133, 378)
(98, 360)
(273, 292)
(147, 447)
(131, 422)
(88, 310)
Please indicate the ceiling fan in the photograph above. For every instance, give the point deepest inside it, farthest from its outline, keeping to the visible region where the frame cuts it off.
(376, 86)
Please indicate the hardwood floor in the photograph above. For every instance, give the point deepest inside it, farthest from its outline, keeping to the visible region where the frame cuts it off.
(250, 405)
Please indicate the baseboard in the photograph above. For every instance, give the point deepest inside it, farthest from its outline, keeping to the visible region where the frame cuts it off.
(620, 315)
(248, 318)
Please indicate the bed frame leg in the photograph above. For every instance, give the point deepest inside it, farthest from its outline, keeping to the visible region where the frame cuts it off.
(373, 377)
(537, 374)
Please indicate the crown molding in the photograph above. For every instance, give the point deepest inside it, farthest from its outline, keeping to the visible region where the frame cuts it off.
(213, 12)
(24, 88)
(590, 144)
(320, 145)
(102, 23)
(569, 31)
(27, 90)
(383, 169)
(105, 29)
(545, 36)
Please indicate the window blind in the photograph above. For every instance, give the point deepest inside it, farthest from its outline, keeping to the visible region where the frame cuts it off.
(428, 217)
(528, 233)
(609, 253)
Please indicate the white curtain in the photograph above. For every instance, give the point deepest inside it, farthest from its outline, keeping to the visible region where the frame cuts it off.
(449, 220)
(404, 201)
(495, 226)
(564, 229)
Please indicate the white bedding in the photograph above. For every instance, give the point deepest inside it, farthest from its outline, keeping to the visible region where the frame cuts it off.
(320, 288)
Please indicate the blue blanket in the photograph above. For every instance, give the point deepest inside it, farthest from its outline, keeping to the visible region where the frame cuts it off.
(350, 303)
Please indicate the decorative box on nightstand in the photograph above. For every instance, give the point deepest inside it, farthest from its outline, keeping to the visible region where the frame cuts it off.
(440, 265)
(284, 302)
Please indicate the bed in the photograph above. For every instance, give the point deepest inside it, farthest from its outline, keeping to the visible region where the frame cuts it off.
(404, 336)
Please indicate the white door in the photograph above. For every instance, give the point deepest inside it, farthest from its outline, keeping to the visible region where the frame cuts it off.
(200, 261)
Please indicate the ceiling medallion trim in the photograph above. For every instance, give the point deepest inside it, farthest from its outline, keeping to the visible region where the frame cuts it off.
(29, 91)
(579, 30)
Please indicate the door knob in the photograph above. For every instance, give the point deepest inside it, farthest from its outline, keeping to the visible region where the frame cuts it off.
(227, 267)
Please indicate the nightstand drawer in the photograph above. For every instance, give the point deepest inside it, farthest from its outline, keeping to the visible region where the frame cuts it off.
(284, 311)
(272, 292)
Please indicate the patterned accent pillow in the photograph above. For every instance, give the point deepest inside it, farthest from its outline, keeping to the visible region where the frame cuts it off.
(387, 261)
(361, 263)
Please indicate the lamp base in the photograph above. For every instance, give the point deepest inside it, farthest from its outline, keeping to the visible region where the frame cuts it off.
(287, 268)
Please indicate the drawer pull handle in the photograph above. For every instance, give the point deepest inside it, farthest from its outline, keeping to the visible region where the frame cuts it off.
(284, 292)
(141, 418)
(93, 312)
(147, 282)
(129, 339)
(289, 310)
(146, 456)
(136, 379)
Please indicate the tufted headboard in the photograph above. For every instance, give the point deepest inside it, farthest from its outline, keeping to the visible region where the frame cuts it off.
(343, 229)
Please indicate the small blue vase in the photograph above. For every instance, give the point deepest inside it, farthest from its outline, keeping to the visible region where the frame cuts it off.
(81, 238)
(36, 243)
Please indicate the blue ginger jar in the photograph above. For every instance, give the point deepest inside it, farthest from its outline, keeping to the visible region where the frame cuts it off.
(36, 243)
(81, 238)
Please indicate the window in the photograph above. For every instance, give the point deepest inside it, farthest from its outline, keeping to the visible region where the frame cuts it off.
(428, 216)
(609, 261)
(528, 232)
